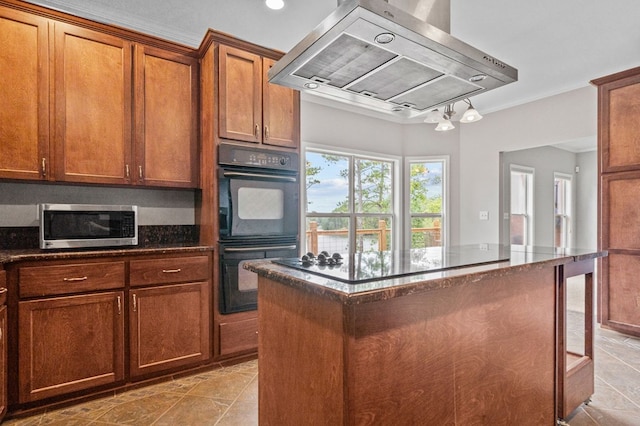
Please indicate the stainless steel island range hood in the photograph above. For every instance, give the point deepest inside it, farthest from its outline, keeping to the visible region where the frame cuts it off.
(394, 56)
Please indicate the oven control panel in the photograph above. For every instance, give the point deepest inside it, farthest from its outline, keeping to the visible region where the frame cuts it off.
(234, 155)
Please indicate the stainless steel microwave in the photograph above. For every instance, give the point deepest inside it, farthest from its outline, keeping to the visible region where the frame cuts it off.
(87, 225)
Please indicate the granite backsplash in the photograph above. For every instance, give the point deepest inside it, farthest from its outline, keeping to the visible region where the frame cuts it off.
(27, 237)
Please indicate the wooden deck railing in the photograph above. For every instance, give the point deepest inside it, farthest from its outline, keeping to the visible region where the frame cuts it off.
(431, 233)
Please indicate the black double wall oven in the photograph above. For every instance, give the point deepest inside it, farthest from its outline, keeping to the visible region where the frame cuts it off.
(258, 193)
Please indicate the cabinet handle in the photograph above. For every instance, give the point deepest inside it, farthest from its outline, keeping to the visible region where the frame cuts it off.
(171, 271)
(0, 334)
(266, 133)
(135, 303)
(75, 279)
(140, 172)
(44, 167)
(119, 306)
(3, 290)
(126, 171)
(256, 130)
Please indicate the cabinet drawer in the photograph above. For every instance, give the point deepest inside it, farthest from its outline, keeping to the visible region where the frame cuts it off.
(168, 270)
(76, 278)
(238, 336)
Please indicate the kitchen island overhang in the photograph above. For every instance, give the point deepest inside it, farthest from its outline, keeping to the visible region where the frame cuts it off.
(474, 345)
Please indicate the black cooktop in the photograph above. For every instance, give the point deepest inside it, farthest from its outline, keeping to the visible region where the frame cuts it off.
(357, 268)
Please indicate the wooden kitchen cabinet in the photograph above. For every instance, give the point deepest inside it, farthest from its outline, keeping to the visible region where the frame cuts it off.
(70, 343)
(170, 320)
(92, 81)
(251, 109)
(124, 106)
(3, 345)
(70, 327)
(166, 118)
(24, 116)
(618, 197)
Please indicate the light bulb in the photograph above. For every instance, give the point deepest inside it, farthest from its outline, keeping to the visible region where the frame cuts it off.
(274, 4)
(445, 125)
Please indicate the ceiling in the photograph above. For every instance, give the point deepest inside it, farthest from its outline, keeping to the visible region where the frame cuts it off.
(556, 46)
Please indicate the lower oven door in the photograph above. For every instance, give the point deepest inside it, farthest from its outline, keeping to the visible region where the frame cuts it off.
(238, 286)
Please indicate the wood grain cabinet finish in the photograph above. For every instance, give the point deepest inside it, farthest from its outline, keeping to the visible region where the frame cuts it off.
(237, 336)
(92, 106)
(166, 118)
(3, 345)
(619, 195)
(169, 327)
(122, 112)
(24, 115)
(69, 344)
(169, 320)
(251, 109)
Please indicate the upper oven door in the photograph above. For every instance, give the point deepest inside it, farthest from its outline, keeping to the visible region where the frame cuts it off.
(258, 204)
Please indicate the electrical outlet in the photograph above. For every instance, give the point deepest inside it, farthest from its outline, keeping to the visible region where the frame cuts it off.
(484, 215)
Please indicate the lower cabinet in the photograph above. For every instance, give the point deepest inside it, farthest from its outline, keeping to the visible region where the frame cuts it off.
(169, 326)
(69, 344)
(3, 345)
(87, 325)
(238, 335)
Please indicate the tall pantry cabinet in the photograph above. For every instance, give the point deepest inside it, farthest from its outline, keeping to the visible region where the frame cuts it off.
(619, 198)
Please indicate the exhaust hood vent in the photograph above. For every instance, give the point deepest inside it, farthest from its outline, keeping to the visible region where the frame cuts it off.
(376, 55)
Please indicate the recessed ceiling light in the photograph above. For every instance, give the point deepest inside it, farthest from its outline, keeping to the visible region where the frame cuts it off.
(274, 4)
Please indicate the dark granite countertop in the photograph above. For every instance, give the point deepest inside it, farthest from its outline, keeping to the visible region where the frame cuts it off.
(472, 263)
(10, 256)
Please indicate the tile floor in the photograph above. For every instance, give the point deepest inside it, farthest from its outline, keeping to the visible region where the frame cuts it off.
(228, 396)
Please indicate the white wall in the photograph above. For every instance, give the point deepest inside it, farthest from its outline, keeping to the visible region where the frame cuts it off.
(587, 200)
(545, 161)
(567, 117)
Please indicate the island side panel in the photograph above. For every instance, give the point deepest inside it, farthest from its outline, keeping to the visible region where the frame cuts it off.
(478, 353)
(301, 357)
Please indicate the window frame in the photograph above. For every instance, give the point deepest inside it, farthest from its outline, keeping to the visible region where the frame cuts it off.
(530, 199)
(444, 222)
(395, 215)
(568, 206)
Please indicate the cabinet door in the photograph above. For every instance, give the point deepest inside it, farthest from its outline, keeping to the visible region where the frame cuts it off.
(281, 112)
(169, 327)
(619, 127)
(92, 106)
(240, 95)
(69, 344)
(3, 361)
(166, 118)
(24, 114)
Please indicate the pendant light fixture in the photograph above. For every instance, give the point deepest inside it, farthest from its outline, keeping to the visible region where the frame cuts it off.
(274, 4)
(444, 119)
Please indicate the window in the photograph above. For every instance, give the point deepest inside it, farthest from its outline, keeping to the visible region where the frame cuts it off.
(350, 202)
(562, 200)
(426, 201)
(521, 227)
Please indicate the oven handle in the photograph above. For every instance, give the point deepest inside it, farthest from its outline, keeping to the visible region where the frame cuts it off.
(257, 175)
(264, 248)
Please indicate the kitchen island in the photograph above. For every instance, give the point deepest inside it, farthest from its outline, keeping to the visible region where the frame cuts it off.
(456, 336)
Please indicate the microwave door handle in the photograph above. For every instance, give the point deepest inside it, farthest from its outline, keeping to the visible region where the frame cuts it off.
(265, 248)
(258, 175)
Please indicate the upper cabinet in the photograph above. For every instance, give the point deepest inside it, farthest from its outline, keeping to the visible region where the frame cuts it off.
(250, 109)
(619, 128)
(124, 105)
(92, 106)
(24, 114)
(166, 118)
